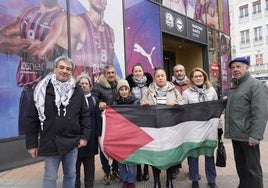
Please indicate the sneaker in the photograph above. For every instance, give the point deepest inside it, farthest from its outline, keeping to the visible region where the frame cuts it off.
(195, 184)
(107, 179)
(116, 176)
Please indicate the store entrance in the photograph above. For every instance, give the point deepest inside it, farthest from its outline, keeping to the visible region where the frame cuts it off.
(180, 51)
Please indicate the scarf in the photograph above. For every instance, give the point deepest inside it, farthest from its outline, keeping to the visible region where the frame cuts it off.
(180, 82)
(63, 93)
(234, 83)
(140, 82)
(202, 93)
(161, 91)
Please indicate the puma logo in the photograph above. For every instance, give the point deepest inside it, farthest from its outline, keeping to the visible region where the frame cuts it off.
(139, 49)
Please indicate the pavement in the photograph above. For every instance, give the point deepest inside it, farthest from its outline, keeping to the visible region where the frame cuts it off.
(30, 176)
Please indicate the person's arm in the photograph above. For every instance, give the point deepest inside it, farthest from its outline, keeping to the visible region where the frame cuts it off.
(32, 131)
(85, 121)
(258, 116)
(10, 39)
(43, 49)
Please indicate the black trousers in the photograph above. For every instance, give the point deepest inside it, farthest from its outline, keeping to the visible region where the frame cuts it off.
(248, 167)
(169, 171)
(89, 171)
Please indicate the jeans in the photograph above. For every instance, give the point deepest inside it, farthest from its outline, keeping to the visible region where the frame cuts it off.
(210, 169)
(105, 164)
(127, 172)
(68, 165)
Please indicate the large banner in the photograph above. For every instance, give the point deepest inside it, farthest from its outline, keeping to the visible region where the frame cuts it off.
(143, 35)
(133, 137)
(34, 32)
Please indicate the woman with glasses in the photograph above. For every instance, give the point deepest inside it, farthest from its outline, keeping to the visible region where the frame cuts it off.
(200, 90)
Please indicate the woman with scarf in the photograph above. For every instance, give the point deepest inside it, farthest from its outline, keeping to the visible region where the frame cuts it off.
(139, 81)
(200, 90)
(162, 92)
(86, 155)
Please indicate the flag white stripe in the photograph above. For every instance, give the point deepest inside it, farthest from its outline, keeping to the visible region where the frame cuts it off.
(171, 137)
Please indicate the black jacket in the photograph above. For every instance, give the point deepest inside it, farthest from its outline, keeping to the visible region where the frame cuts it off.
(91, 148)
(60, 134)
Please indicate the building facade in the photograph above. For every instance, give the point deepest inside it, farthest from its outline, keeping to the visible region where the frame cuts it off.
(155, 33)
(249, 33)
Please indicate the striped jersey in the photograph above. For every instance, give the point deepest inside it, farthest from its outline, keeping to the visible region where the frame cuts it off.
(97, 50)
(36, 25)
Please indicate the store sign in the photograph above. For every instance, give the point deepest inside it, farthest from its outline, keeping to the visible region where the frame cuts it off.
(196, 31)
(173, 23)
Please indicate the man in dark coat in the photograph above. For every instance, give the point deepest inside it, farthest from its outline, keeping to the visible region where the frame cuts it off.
(60, 116)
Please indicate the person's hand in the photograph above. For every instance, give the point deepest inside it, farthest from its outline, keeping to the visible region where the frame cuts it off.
(145, 102)
(253, 142)
(102, 105)
(82, 143)
(33, 152)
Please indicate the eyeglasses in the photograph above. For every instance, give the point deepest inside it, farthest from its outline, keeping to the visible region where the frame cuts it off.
(198, 76)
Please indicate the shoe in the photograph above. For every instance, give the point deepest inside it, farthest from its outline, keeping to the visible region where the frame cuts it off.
(145, 177)
(130, 185)
(139, 175)
(176, 173)
(212, 185)
(125, 185)
(117, 176)
(107, 179)
(157, 184)
(169, 184)
(195, 184)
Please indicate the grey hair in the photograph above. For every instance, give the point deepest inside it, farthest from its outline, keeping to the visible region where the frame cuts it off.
(81, 76)
(65, 59)
(108, 67)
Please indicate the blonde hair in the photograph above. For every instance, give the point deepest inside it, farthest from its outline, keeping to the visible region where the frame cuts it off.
(206, 81)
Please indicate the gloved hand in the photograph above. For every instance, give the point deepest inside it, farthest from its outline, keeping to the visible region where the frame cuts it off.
(220, 132)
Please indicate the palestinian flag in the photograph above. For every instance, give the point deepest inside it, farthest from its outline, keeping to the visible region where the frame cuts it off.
(160, 135)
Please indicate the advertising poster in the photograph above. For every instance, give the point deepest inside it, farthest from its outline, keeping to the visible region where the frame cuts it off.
(178, 6)
(34, 32)
(204, 11)
(225, 52)
(142, 35)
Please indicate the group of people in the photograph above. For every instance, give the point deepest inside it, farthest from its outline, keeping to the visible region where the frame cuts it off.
(65, 121)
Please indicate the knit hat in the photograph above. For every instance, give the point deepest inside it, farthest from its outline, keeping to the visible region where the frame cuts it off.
(239, 59)
(122, 83)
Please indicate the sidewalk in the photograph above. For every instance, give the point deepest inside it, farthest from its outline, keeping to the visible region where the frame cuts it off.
(31, 176)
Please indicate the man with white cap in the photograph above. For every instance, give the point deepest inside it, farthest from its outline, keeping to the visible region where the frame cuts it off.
(245, 122)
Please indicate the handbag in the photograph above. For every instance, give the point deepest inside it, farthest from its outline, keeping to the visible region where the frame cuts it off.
(221, 154)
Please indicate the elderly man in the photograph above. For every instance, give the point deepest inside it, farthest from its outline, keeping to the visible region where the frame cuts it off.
(59, 115)
(245, 122)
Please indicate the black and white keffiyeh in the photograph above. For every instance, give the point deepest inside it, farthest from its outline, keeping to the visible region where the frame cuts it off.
(63, 93)
(202, 91)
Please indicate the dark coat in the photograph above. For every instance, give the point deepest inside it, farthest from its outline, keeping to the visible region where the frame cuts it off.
(91, 148)
(132, 84)
(60, 134)
(104, 91)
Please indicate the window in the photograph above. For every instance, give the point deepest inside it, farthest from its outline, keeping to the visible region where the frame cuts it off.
(258, 33)
(259, 59)
(256, 7)
(243, 11)
(244, 36)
